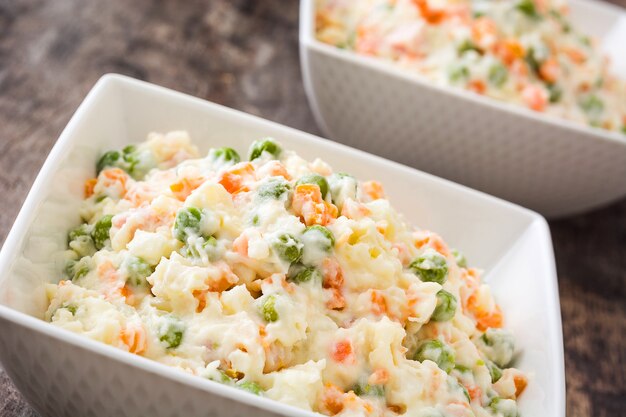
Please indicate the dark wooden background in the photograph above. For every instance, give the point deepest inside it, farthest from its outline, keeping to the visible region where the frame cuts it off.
(244, 54)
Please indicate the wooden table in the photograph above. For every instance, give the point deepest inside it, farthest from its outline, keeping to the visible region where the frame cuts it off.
(244, 54)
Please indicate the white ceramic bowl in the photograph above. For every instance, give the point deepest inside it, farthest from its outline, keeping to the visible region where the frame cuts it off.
(551, 165)
(64, 374)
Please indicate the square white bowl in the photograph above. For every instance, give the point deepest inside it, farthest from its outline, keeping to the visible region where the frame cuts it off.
(64, 374)
(548, 164)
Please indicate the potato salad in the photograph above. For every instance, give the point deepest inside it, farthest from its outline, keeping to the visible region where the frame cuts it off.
(519, 51)
(283, 278)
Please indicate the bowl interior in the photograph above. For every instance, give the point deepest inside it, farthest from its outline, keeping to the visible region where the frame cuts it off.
(512, 244)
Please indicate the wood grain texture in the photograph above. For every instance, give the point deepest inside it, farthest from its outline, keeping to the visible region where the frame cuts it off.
(244, 54)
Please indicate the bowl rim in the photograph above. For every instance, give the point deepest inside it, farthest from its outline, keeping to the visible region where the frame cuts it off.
(308, 41)
(52, 162)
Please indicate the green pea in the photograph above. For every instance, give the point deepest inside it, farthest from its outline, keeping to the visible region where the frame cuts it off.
(72, 308)
(555, 93)
(592, 105)
(458, 73)
(288, 248)
(75, 270)
(251, 387)
(498, 75)
(462, 369)
(129, 155)
(342, 186)
(299, 273)
(459, 258)
(137, 270)
(211, 248)
(200, 247)
(430, 267)
(101, 231)
(82, 230)
(494, 371)
(531, 59)
(81, 242)
(527, 7)
(187, 223)
(466, 46)
(109, 159)
(268, 309)
(320, 236)
(265, 145)
(274, 189)
(446, 306)
(437, 351)
(503, 407)
(363, 389)
(316, 180)
(171, 331)
(225, 154)
(498, 345)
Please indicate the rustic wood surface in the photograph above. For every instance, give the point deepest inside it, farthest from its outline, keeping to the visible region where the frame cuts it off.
(244, 54)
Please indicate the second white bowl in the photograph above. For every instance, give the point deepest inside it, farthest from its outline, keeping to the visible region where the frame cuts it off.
(553, 166)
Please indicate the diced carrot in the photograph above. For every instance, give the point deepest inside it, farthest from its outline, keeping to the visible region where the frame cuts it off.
(407, 52)
(226, 278)
(276, 169)
(366, 42)
(354, 210)
(520, 382)
(484, 31)
(431, 15)
(535, 97)
(89, 186)
(184, 187)
(107, 272)
(337, 301)
(379, 303)
(425, 237)
(378, 377)
(484, 319)
(333, 275)
(114, 177)
(128, 294)
(308, 192)
(200, 295)
(440, 246)
(477, 86)
(308, 204)
(343, 352)
(134, 337)
(576, 55)
(471, 278)
(549, 70)
(240, 245)
(520, 68)
(509, 50)
(474, 391)
(235, 179)
(332, 399)
(373, 189)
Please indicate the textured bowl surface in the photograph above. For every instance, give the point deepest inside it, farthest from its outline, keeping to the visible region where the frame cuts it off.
(551, 165)
(63, 374)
